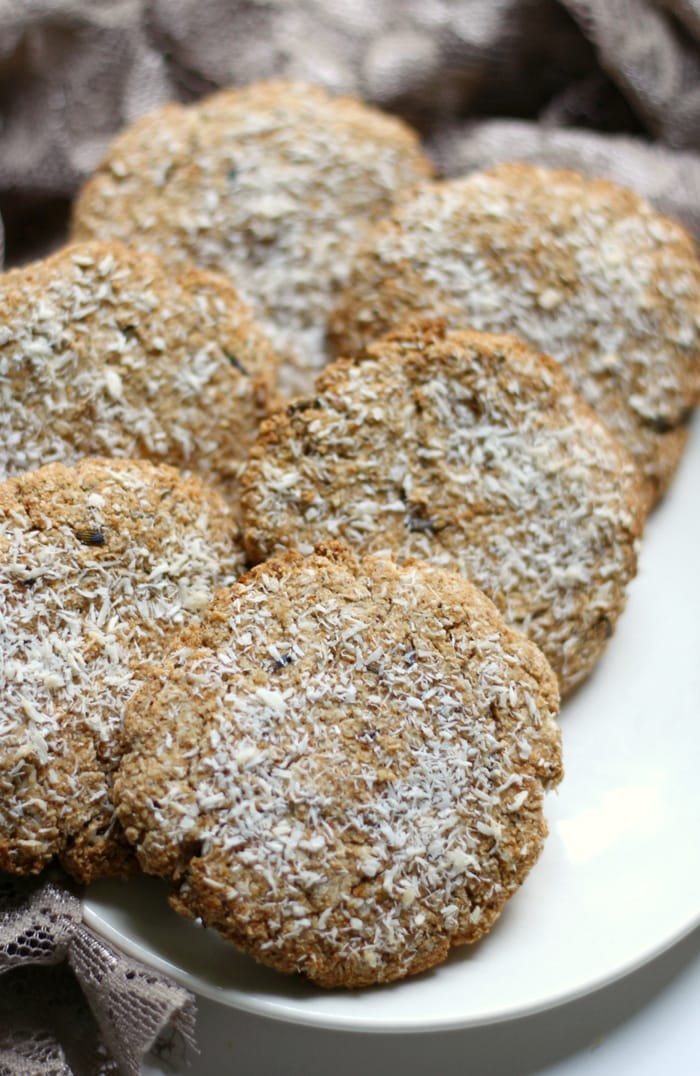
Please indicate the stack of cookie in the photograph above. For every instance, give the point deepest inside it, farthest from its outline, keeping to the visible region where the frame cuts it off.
(338, 758)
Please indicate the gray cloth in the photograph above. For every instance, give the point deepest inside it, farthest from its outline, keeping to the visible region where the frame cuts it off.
(73, 72)
(68, 1002)
(611, 87)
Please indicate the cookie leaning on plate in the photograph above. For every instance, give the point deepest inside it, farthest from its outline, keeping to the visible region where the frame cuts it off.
(272, 184)
(342, 768)
(470, 451)
(582, 269)
(107, 352)
(99, 563)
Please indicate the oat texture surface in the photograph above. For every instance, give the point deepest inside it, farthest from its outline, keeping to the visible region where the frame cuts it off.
(342, 768)
(584, 270)
(99, 564)
(471, 451)
(107, 352)
(271, 183)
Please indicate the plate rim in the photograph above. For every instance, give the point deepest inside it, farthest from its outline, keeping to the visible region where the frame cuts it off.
(241, 1001)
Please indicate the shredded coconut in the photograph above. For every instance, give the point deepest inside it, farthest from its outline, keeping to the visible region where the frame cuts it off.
(272, 184)
(585, 271)
(348, 834)
(106, 353)
(469, 451)
(81, 607)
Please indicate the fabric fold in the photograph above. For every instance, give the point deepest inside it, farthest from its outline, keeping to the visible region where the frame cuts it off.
(69, 1002)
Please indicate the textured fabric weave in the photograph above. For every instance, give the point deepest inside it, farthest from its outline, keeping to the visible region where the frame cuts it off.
(74, 72)
(69, 1003)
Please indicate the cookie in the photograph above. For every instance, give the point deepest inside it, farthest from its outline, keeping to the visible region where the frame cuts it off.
(342, 768)
(582, 269)
(471, 451)
(99, 564)
(272, 184)
(106, 352)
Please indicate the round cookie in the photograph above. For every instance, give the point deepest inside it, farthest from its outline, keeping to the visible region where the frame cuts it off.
(99, 564)
(272, 184)
(582, 269)
(473, 452)
(107, 352)
(342, 768)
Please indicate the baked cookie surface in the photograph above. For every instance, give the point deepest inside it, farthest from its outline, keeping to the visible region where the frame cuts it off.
(99, 563)
(584, 270)
(342, 768)
(271, 183)
(473, 452)
(105, 351)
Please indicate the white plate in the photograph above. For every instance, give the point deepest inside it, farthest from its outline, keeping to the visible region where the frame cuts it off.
(618, 882)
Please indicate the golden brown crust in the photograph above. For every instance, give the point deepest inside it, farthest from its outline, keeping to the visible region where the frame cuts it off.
(105, 351)
(583, 269)
(99, 564)
(471, 451)
(352, 776)
(270, 183)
